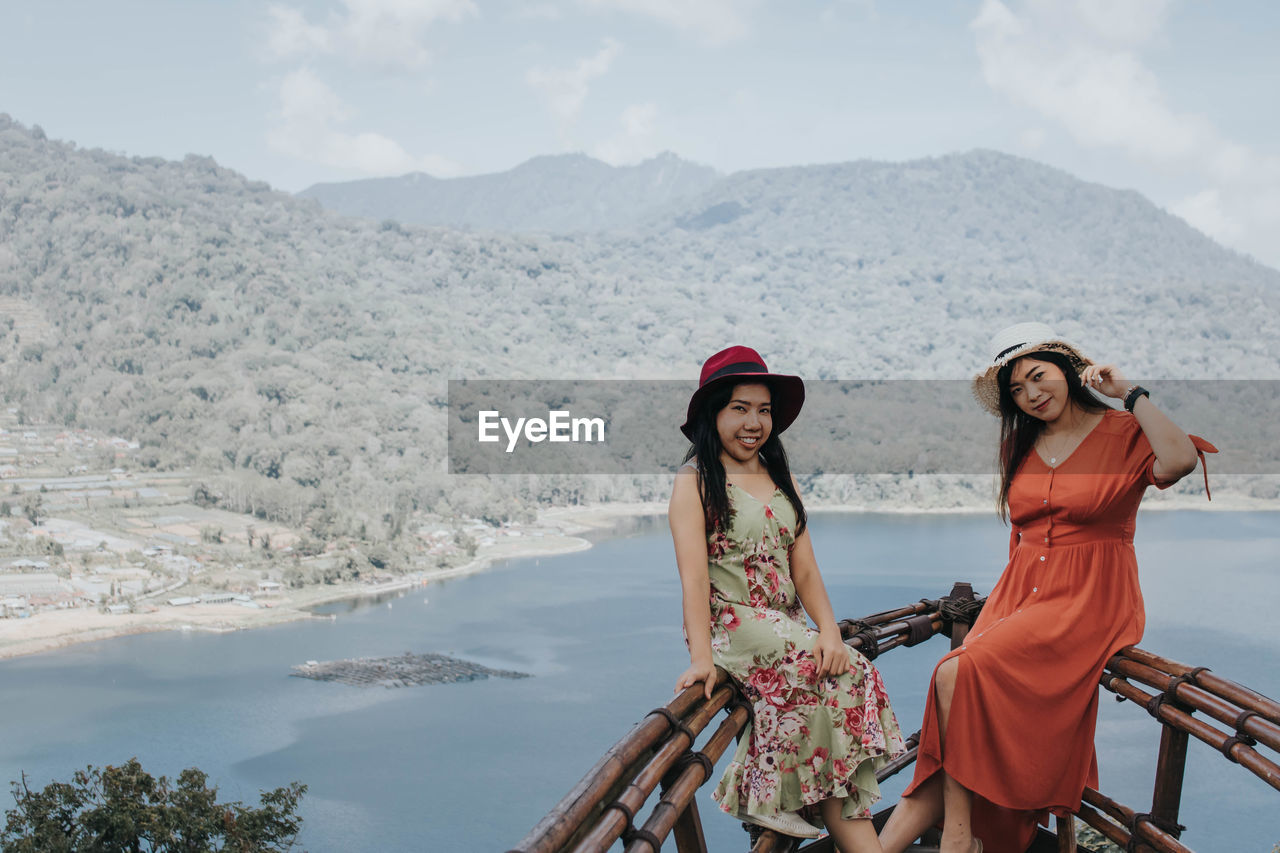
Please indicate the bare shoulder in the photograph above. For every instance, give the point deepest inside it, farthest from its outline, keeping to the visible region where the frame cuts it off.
(686, 491)
(688, 477)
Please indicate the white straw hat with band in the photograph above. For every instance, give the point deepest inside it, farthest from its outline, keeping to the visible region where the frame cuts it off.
(1013, 343)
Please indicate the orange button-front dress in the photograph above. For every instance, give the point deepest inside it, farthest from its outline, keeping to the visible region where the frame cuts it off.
(1020, 735)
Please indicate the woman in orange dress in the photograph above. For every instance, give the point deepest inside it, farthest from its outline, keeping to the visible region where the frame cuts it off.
(1009, 722)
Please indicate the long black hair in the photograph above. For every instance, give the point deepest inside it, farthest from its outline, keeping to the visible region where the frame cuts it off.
(1019, 431)
(706, 450)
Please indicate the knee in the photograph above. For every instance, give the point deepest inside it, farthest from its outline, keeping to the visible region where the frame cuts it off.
(944, 678)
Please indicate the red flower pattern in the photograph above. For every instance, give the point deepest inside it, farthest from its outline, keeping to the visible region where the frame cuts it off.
(767, 649)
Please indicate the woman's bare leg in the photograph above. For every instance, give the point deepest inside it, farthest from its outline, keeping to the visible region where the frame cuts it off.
(913, 815)
(957, 834)
(940, 795)
(850, 836)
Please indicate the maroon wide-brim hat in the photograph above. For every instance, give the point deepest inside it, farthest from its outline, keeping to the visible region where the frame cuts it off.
(742, 365)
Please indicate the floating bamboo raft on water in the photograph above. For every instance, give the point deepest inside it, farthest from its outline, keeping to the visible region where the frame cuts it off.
(407, 670)
(658, 752)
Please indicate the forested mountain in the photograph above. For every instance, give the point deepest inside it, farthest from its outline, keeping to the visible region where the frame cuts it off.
(566, 192)
(961, 240)
(302, 357)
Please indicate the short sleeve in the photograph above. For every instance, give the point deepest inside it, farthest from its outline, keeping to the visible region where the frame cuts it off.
(1148, 473)
(1149, 463)
(1139, 459)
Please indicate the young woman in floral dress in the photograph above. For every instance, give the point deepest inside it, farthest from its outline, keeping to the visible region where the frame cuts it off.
(822, 723)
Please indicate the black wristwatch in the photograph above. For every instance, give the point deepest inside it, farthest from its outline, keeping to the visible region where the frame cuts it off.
(1131, 396)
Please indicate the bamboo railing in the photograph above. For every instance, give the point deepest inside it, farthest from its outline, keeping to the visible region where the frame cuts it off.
(1246, 720)
(658, 754)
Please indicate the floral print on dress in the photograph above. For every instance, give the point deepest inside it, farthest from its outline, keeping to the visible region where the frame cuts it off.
(812, 738)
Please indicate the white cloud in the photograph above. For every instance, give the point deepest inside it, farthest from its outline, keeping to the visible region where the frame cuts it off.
(387, 33)
(635, 141)
(289, 34)
(308, 127)
(1032, 139)
(1123, 21)
(1077, 63)
(715, 21)
(565, 90)
(1204, 211)
(1102, 94)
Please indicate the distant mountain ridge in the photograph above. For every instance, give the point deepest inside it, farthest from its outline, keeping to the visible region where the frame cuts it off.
(982, 204)
(560, 193)
(979, 205)
(302, 356)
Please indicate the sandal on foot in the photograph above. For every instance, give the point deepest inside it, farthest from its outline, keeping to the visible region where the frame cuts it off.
(787, 823)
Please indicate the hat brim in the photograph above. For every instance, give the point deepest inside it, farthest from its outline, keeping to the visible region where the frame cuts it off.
(787, 397)
(986, 386)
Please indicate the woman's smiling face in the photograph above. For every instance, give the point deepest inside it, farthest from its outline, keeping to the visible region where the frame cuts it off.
(744, 424)
(1039, 388)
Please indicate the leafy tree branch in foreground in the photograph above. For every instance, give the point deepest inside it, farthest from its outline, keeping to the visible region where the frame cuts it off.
(127, 809)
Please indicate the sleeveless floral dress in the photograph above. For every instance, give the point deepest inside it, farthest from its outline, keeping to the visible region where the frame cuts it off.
(811, 739)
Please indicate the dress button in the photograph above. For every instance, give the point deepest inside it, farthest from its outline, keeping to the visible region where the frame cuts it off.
(1046, 540)
(1042, 558)
(1035, 589)
(1045, 501)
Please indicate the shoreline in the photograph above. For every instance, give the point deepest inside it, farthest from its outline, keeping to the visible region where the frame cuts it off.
(51, 631)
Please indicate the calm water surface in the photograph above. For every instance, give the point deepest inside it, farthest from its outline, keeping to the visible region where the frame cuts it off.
(473, 766)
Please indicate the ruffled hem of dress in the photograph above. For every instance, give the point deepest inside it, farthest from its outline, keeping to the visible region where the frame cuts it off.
(858, 798)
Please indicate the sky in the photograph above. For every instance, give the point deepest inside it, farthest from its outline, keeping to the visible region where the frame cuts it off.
(1176, 99)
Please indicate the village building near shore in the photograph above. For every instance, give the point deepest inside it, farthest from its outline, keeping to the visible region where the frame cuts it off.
(14, 607)
(32, 584)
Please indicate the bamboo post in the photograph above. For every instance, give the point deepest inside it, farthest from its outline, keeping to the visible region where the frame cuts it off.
(1066, 831)
(687, 830)
(1170, 769)
(959, 630)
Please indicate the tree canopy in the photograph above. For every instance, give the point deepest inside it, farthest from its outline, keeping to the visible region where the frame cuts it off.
(127, 809)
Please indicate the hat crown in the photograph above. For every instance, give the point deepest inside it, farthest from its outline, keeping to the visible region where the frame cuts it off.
(742, 359)
(1012, 343)
(787, 391)
(1020, 335)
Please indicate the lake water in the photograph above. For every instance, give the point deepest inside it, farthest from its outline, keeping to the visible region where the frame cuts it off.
(472, 766)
